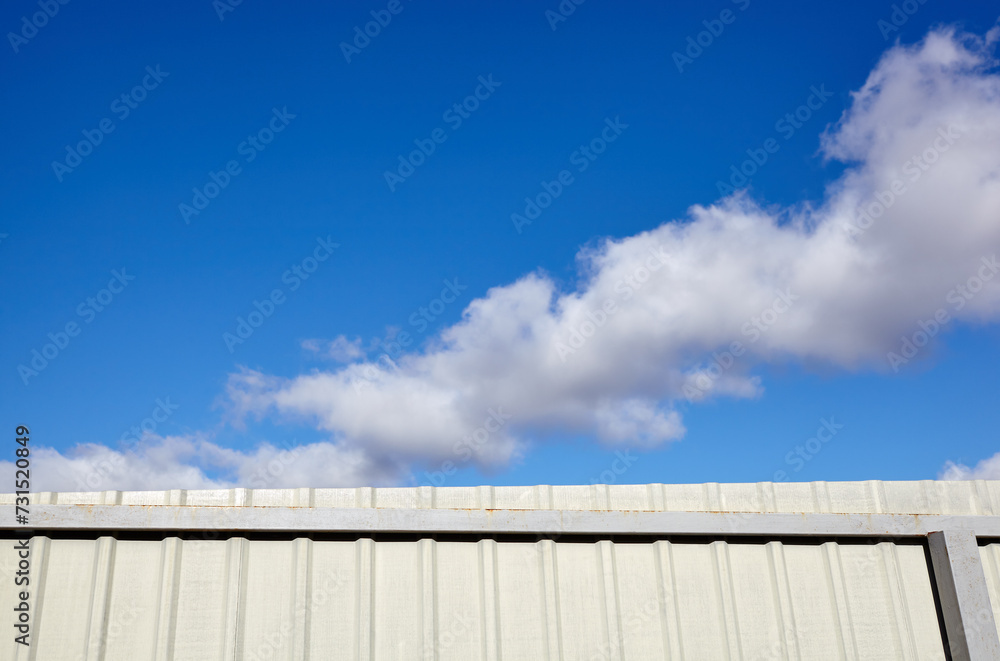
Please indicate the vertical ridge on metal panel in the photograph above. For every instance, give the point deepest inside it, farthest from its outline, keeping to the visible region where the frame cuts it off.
(428, 595)
(656, 502)
(233, 629)
(992, 496)
(783, 600)
(171, 556)
(898, 604)
(965, 598)
(609, 589)
(103, 575)
(365, 571)
(878, 497)
(302, 576)
(838, 588)
(488, 600)
(600, 497)
(729, 619)
(990, 557)
(667, 597)
(978, 487)
(550, 595)
(486, 497)
(546, 497)
(40, 550)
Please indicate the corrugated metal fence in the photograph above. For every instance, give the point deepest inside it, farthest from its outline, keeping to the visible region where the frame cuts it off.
(569, 594)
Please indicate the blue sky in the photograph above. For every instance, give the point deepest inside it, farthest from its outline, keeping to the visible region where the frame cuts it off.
(173, 95)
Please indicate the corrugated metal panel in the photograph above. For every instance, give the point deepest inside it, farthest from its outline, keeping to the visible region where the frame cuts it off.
(239, 599)
(303, 599)
(109, 599)
(990, 555)
(923, 497)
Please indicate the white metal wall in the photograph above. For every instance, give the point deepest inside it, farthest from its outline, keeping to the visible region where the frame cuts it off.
(107, 599)
(239, 599)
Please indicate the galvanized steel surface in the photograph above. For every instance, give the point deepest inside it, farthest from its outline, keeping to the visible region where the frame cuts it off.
(923, 497)
(963, 596)
(303, 599)
(606, 523)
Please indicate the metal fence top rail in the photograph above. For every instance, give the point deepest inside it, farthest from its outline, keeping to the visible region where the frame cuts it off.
(492, 521)
(818, 509)
(927, 497)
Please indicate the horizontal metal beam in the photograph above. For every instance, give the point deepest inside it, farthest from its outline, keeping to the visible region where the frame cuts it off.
(479, 521)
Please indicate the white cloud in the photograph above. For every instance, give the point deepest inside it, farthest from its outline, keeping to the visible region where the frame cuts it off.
(685, 291)
(339, 349)
(184, 462)
(987, 469)
(654, 317)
